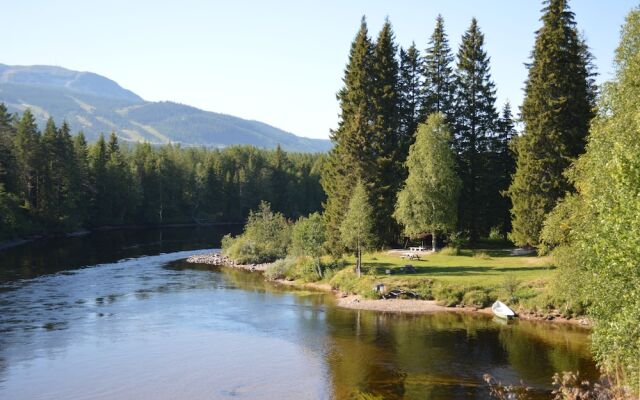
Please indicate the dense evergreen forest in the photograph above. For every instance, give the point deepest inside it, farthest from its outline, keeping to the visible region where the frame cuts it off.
(53, 182)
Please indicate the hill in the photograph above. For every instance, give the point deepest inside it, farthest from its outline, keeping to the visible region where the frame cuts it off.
(95, 104)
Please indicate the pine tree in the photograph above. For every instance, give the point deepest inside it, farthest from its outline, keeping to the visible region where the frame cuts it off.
(28, 157)
(8, 162)
(438, 75)
(350, 158)
(557, 109)
(121, 191)
(475, 120)
(388, 157)
(428, 201)
(101, 212)
(410, 96)
(357, 230)
(279, 181)
(83, 194)
(501, 166)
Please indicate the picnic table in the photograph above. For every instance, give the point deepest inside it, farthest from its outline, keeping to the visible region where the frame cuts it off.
(415, 249)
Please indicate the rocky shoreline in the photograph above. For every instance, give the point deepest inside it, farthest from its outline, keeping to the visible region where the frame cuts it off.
(218, 259)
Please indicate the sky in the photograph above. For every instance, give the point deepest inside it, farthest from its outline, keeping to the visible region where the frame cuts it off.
(279, 62)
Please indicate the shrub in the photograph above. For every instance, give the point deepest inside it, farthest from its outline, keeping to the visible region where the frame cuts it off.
(308, 236)
(481, 255)
(510, 285)
(280, 269)
(458, 239)
(447, 296)
(450, 251)
(496, 234)
(266, 238)
(478, 297)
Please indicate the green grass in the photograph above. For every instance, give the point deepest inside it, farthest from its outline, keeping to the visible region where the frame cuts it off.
(471, 277)
(464, 269)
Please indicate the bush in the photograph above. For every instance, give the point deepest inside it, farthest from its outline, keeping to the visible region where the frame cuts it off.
(280, 269)
(481, 255)
(478, 297)
(450, 251)
(496, 234)
(308, 236)
(266, 238)
(458, 239)
(448, 296)
(510, 285)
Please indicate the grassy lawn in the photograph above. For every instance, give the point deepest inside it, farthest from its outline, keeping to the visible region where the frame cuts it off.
(473, 277)
(486, 268)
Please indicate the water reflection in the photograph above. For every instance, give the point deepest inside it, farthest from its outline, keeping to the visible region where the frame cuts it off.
(155, 327)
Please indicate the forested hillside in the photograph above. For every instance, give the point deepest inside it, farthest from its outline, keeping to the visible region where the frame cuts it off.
(53, 182)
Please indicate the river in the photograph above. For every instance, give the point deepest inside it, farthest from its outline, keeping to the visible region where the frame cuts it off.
(119, 315)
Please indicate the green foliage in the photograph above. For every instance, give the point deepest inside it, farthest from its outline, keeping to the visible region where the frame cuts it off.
(428, 200)
(478, 298)
(510, 286)
(281, 269)
(266, 238)
(308, 236)
(60, 183)
(350, 159)
(410, 96)
(557, 109)
(438, 89)
(598, 249)
(450, 251)
(447, 295)
(357, 228)
(474, 124)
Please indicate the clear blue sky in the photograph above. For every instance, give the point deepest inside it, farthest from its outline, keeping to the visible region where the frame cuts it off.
(279, 62)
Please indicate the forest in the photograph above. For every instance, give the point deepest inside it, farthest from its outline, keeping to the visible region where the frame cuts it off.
(52, 182)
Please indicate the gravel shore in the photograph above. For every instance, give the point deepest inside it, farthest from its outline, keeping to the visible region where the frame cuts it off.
(220, 260)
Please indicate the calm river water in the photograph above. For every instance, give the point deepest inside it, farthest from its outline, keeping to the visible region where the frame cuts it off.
(117, 315)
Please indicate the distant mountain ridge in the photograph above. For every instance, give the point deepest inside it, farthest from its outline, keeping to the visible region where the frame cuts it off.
(95, 104)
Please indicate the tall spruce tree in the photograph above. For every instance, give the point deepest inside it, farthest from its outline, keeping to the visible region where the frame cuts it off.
(101, 212)
(387, 156)
(8, 163)
(350, 159)
(83, 195)
(501, 167)
(28, 156)
(438, 75)
(474, 124)
(557, 109)
(410, 97)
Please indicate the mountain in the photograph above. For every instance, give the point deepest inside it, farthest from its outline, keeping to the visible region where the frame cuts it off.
(95, 104)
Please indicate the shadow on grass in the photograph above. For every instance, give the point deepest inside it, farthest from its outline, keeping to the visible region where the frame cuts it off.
(436, 270)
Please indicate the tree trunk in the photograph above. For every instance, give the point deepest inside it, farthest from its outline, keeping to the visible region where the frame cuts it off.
(434, 242)
(359, 262)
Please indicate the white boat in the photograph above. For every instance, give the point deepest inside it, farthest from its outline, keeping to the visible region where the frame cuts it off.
(501, 310)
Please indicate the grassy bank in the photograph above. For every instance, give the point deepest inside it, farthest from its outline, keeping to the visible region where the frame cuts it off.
(473, 278)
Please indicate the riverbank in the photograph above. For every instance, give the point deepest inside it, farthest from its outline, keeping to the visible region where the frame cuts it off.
(410, 306)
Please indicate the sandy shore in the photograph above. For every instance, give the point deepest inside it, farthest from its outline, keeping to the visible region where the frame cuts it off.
(355, 302)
